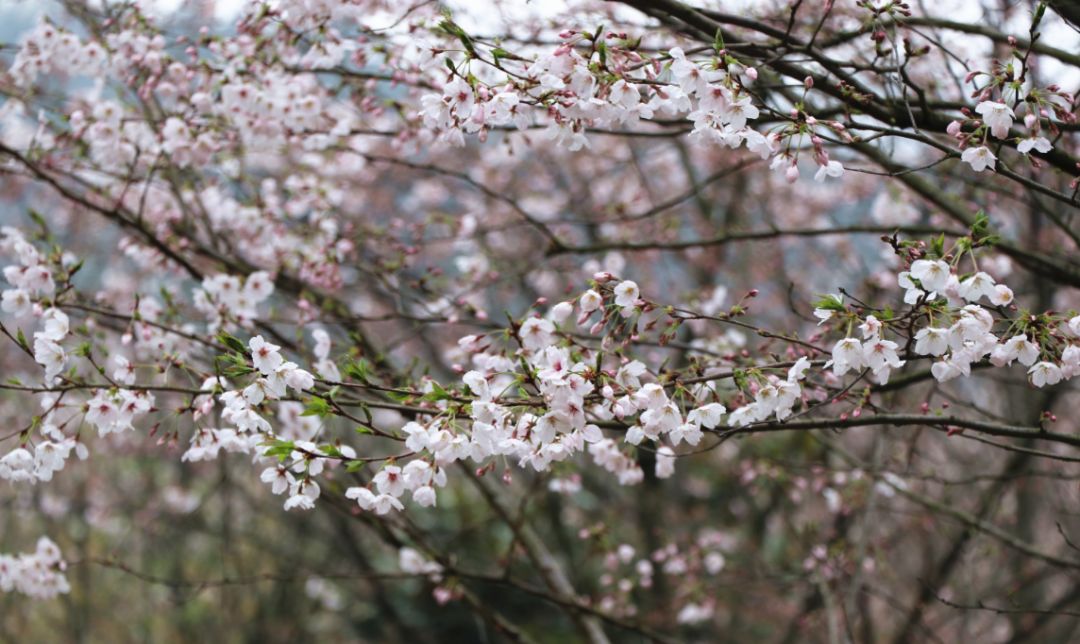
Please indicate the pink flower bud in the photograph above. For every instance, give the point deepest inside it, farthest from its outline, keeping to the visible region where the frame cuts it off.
(953, 128)
(792, 174)
(442, 595)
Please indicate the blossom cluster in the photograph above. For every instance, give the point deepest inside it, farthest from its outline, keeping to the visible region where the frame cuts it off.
(283, 176)
(1034, 106)
(685, 565)
(553, 397)
(37, 461)
(574, 92)
(960, 331)
(32, 279)
(48, 49)
(38, 574)
(226, 298)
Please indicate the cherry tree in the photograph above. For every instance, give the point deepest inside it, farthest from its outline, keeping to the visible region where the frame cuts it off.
(584, 321)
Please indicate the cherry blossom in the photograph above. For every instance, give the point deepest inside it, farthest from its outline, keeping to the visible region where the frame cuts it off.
(473, 303)
(998, 117)
(39, 574)
(979, 158)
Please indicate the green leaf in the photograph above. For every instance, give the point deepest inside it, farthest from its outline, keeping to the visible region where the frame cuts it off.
(398, 396)
(37, 218)
(279, 449)
(980, 226)
(1040, 11)
(237, 372)
(317, 407)
(233, 365)
(452, 28)
(938, 245)
(830, 302)
(499, 52)
(232, 342)
(436, 393)
(358, 369)
(42, 224)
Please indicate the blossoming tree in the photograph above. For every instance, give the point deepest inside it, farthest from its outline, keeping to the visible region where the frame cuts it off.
(613, 321)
